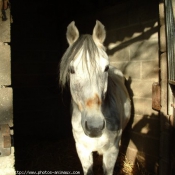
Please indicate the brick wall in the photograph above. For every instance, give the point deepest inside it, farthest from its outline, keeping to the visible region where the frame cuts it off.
(135, 52)
(7, 159)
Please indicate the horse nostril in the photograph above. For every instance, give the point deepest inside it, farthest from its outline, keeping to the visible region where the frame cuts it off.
(90, 128)
(94, 131)
(86, 126)
(103, 125)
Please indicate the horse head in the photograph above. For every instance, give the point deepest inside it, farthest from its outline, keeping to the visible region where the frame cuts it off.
(88, 76)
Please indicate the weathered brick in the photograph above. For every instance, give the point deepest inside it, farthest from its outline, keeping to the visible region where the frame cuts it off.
(5, 28)
(151, 30)
(150, 70)
(130, 69)
(122, 54)
(144, 50)
(162, 39)
(6, 106)
(143, 106)
(5, 66)
(141, 88)
(161, 14)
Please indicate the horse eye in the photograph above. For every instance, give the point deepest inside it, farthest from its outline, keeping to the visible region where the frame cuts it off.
(71, 70)
(106, 68)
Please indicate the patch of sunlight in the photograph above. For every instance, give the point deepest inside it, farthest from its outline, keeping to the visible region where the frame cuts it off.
(126, 39)
(146, 29)
(113, 45)
(145, 129)
(136, 36)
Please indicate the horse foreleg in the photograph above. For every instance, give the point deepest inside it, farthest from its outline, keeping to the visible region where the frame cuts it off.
(86, 159)
(109, 159)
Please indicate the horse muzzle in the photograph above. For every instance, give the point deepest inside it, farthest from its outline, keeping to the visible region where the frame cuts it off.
(94, 131)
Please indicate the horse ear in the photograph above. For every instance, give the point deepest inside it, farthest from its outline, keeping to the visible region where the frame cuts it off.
(99, 33)
(72, 33)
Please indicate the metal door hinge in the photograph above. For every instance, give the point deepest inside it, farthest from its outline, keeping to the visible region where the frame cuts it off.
(5, 140)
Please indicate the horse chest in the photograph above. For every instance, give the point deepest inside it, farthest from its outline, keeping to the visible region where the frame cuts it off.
(94, 144)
